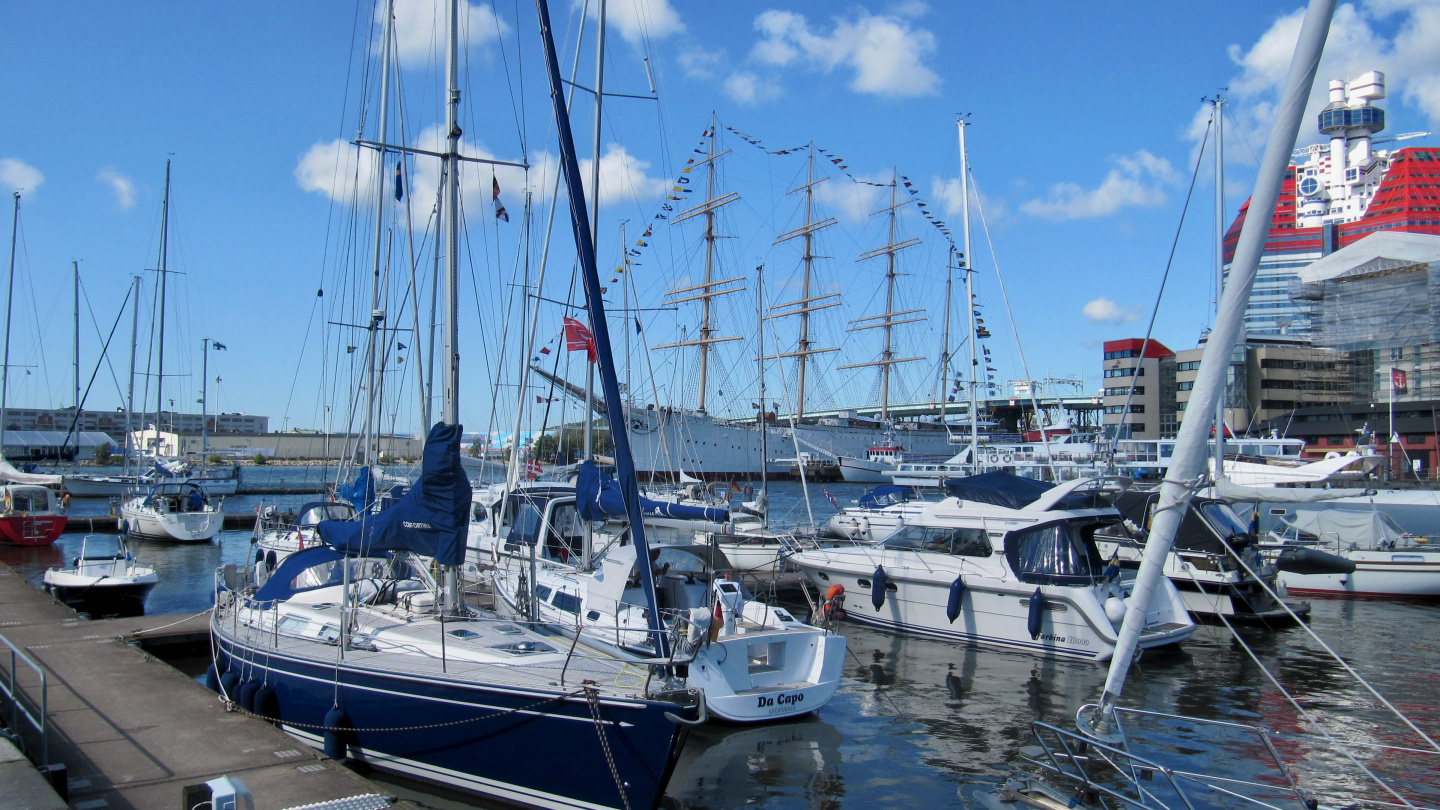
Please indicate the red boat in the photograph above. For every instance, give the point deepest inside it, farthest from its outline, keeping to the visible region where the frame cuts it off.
(29, 515)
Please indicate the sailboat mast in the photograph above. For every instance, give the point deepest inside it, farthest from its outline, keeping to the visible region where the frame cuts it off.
(9, 305)
(802, 350)
(705, 330)
(130, 384)
(760, 415)
(887, 354)
(450, 412)
(1219, 104)
(75, 419)
(589, 439)
(160, 363)
(945, 339)
(377, 316)
(1190, 445)
(967, 266)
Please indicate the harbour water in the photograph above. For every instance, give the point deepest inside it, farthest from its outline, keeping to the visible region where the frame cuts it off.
(921, 723)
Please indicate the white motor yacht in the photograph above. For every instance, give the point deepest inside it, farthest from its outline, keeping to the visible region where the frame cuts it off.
(1382, 560)
(179, 512)
(1005, 565)
(103, 581)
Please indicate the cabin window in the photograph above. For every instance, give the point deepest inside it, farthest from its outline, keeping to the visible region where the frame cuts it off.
(1223, 519)
(1056, 554)
(542, 592)
(957, 541)
(568, 602)
(292, 626)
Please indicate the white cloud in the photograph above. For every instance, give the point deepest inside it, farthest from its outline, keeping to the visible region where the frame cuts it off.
(1136, 180)
(623, 177)
(637, 20)
(17, 175)
(884, 51)
(946, 192)
(852, 202)
(1410, 61)
(420, 29)
(747, 88)
(120, 184)
(1103, 310)
(698, 63)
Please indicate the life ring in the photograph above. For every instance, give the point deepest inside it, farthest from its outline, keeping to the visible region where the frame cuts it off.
(993, 458)
(834, 605)
(1008, 458)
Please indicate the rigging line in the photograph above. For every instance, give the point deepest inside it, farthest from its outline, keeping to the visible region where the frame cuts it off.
(105, 358)
(1159, 294)
(1314, 722)
(517, 111)
(1004, 296)
(79, 406)
(304, 342)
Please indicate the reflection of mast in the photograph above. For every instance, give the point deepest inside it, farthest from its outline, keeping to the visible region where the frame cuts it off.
(886, 320)
(708, 208)
(805, 304)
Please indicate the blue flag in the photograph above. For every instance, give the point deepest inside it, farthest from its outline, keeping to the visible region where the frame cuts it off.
(399, 183)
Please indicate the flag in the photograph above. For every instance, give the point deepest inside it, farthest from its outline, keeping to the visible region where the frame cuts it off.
(1399, 380)
(500, 212)
(399, 183)
(833, 502)
(220, 347)
(637, 324)
(578, 338)
(544, 349)
(533, 469)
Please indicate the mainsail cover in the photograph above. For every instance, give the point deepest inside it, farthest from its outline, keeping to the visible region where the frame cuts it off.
(1228, 490)
(10, 475)
(430, 520)
(597, 496)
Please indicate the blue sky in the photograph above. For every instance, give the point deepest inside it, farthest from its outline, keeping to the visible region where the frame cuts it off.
(1085, 122)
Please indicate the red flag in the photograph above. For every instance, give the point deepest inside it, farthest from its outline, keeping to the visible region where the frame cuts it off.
(578, 338)
(1399, 380)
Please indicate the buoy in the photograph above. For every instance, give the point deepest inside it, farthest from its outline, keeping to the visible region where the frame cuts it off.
(337, 733)
(877, 588)
(957, 596)
(1037, 614)
(267, 705)
(270, 561)
(247, 695)
(230, 685)
(259, 556)
(212, 679)
(1115, 610)
(123, 525)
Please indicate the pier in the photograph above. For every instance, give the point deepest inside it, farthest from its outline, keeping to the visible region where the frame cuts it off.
(126, 730)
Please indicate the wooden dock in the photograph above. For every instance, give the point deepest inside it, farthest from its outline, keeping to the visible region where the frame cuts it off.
(132, 731)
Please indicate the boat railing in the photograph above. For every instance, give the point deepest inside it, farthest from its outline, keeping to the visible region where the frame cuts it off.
(16, 704)
(1100, 770)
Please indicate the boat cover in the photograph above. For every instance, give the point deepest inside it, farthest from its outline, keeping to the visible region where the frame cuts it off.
(597, 496)
(1346, 528)
(880, 497)
(10, 475)
(362, 492)
(1194, 534)
(432, 518)
(999, 488)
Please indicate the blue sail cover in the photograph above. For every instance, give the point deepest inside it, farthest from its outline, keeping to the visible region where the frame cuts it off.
(881, 497)
(999, 488)
(597, 496)
(280, 585)
(430, 520)
(362, 492)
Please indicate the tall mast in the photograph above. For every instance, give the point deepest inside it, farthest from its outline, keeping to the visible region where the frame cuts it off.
(130, 386)
(886, 320)
(450, 413)
(587, 442)
(75, 419)
(805, 304)
(945, 339)
(764, 498)
(1219, 104)
(968, 267)
(164, 251)
(377, 315)
(204, 394)
(706, 289)
(1190, 446)
(9, 302)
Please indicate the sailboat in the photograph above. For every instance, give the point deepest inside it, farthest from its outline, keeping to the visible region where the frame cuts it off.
(28, 510)
(1225, 763)
(354, 647)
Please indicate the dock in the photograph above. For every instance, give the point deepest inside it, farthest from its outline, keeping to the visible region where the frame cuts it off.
(130, 730)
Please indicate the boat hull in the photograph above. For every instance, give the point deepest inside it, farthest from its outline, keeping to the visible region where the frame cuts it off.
(31, 530)
(1397, 574)
(103, 601)
(178, 527)
(863, 471)
(487, 739)
(84, 486)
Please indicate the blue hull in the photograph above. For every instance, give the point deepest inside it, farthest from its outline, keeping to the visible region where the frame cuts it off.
(522, 747)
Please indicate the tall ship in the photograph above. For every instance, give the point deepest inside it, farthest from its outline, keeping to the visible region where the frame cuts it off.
(674, 440)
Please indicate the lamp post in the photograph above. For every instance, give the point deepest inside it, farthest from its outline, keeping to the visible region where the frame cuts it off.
(205, 346)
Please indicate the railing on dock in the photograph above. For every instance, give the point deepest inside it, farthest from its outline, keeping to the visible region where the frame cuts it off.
(17, 708)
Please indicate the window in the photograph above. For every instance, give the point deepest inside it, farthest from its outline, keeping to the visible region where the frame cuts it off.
(1122, 354)
(1121, 409)
(1125, 391)
(566, 601)
(1190, 365)
(1416, 438)
(1124, 372)
(941, 540)
(1057, 554)
(1185, 386)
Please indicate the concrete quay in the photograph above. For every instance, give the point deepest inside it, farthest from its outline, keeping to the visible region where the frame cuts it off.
(131, 730)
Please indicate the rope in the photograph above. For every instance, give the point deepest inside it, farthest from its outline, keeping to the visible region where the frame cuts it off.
(172, 624)
(231, 706)
(592, 698)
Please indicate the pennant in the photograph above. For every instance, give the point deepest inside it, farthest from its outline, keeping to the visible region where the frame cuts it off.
(544, 349)
(399, 183)
(500, 212)
(578, 338)
(637, 324)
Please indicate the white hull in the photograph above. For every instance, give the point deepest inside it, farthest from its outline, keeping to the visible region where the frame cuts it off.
(863, 471)
(180, 527)
(92, 486)
(1401, 573)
